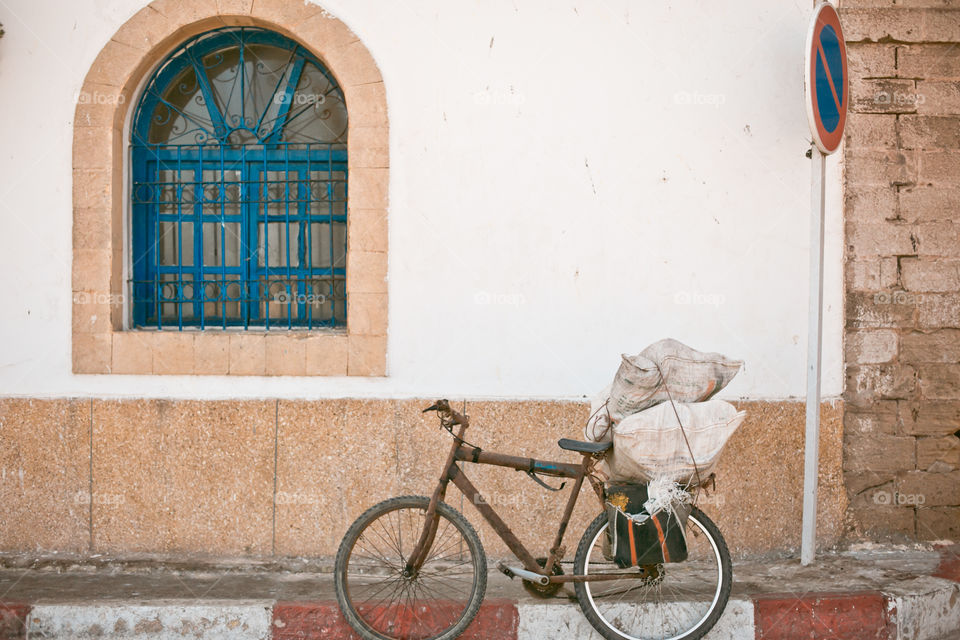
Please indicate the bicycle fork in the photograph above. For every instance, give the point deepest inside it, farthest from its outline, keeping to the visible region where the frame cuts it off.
(419, 553)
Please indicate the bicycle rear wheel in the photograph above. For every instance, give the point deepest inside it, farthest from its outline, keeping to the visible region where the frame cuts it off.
(674, 601)
(380, 602)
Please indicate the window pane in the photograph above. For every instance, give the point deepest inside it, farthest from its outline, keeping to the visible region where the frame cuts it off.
(221, 244)
(246, 154)
(175, 245)
(273, 244)
(328, 244)
(176, 297)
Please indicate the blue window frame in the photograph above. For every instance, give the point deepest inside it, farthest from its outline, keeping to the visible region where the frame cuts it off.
(239, 187)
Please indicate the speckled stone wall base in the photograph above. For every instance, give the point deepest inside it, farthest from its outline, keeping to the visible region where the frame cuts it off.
(286, 478)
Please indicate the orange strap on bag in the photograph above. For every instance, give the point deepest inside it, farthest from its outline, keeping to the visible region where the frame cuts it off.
(662, 538)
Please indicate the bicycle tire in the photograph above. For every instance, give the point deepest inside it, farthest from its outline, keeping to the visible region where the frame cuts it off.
(698, 519)
(367, 519)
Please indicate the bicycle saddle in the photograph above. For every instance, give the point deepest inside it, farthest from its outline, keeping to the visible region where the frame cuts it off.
(583, 447)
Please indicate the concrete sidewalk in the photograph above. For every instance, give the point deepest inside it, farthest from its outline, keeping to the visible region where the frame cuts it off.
(889, 593)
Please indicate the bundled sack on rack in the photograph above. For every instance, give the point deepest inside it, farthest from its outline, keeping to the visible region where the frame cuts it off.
(664, 370)
(650, 445)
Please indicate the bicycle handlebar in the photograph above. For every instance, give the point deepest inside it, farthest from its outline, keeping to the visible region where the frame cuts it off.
(448, 416)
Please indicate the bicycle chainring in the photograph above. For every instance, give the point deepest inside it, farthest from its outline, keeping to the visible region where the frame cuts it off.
(547, 590)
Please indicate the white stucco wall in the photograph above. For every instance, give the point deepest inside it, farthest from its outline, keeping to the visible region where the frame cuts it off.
(569, 181)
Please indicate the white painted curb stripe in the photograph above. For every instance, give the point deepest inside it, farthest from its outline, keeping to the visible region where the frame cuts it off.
(550, 621)
(927, 608)
(168, 620)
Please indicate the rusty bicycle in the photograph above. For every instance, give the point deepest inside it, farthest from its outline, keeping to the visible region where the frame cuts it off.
(413, 567)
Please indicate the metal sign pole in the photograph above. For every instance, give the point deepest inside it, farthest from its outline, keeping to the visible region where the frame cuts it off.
(811, 457)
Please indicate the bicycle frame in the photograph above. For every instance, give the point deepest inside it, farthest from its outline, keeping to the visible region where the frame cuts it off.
(460, 452)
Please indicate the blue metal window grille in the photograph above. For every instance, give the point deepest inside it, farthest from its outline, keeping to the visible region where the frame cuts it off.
(239, 188)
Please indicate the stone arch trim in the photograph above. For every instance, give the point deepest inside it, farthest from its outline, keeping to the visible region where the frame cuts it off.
(99, 342)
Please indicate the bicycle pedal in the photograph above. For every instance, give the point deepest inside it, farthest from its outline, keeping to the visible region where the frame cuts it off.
(505, 570)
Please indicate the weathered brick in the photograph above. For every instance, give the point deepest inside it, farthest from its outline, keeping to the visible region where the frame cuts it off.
(938, 167)
(880, 418)
(939, 310)
(847, 4)
(884, 522)
(862, 275)
(874, 203)
(939, 381)
(927, 61)
(936, 346)
(928, 274)
(877, 490)
(871, 347)
(859, 482)
(938, 454)
(871, 60)
(923, 4)
(936, 489)
(871, 239)
(878, 311)
(878, 453)
(871, 131)
(929, 417)
(938, 97)
(890, 273)
(875, 24)
(929, 132)
(941, 25)
(938, 523)
(926, 203)
(880, 167)
(883, 95)
(941, 239)
(868, 383)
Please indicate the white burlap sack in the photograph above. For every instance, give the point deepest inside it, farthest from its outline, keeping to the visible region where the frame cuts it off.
(688, 374)
(650, 445)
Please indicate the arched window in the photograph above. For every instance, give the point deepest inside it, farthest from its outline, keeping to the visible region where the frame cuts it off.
(239, 187)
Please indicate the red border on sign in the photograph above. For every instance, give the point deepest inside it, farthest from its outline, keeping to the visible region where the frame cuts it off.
(826, 141)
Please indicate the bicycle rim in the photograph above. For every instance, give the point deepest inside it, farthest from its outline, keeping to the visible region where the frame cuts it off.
(673, 601)
(389, 605)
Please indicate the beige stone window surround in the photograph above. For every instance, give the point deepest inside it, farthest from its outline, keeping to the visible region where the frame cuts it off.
(100, 342)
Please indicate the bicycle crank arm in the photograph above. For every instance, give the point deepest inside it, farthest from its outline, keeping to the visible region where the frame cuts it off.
(512, 572)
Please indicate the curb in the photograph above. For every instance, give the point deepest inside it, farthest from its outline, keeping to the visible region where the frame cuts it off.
(921, 608)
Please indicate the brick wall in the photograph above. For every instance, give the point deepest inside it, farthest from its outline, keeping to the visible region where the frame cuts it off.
(902, 272)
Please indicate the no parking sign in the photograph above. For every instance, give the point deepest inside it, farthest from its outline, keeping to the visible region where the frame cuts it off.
(825, 73)
(827, 84)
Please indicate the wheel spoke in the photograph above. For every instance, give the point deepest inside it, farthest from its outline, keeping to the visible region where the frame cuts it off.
(673, 600)
(370, 578)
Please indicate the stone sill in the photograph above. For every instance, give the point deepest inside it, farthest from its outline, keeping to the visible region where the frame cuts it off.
(241, 353)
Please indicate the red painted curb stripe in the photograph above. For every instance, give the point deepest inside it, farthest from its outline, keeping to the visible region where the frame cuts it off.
(497, 620)
(848, 616)
(949, 567)
(13, 620)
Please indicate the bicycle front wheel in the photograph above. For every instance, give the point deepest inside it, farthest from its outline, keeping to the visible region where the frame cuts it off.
(380, 602)
(674, 601)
